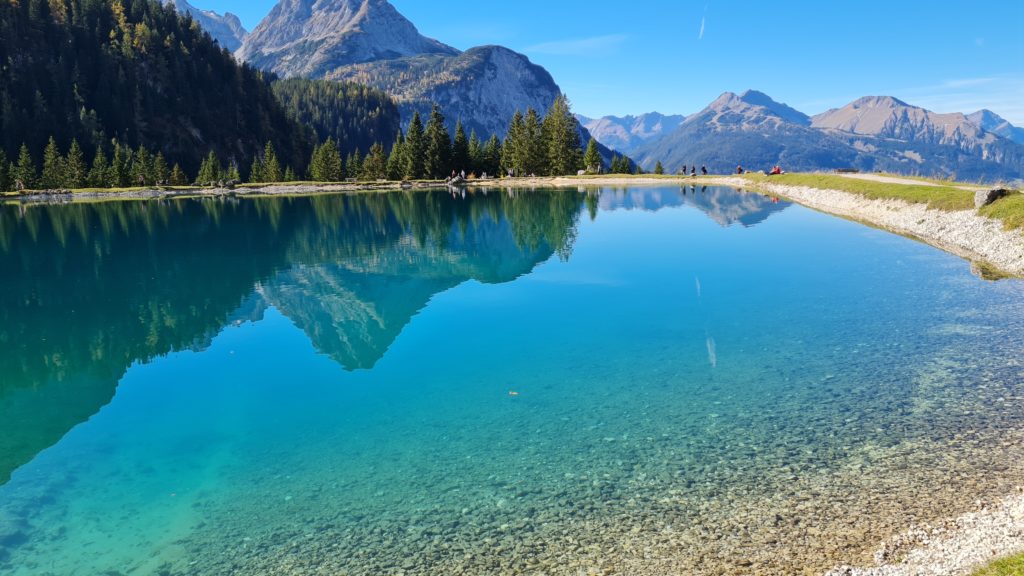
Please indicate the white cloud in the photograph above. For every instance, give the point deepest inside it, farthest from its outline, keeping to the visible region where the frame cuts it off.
(580, 46)
(701, 35)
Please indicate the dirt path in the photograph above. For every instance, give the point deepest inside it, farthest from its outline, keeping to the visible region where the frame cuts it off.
(910, 181)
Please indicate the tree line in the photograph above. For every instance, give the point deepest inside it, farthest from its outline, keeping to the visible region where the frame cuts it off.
(136, 71)
(534, 145)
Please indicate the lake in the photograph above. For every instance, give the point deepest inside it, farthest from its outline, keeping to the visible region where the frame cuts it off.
(631, 381)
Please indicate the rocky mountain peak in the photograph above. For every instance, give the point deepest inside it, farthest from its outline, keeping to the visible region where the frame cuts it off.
(226, 29)
(751, 107)
(879, 102)
(888, 117)
(991, 122)
(313, 37)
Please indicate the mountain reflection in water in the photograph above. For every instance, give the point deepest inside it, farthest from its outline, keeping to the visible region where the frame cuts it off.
(91, 289)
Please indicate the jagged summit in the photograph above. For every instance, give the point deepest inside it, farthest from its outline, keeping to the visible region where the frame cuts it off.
(749, 109)
(991, 122)
(226, 29)
(314, 37)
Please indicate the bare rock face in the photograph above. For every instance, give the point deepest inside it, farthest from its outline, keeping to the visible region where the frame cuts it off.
(370, 42)
(483, 86)
(888, 117)
(312, 38)
(226, 29)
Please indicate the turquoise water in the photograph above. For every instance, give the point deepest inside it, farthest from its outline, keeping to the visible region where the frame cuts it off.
(642, 381)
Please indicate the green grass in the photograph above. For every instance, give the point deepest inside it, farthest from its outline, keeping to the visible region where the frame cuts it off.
(939, 197)
(1013, 566)
(652, 175)
(133, 189)
(1010, 210)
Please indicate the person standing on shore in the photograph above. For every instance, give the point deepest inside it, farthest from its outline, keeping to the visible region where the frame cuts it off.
(703, 170)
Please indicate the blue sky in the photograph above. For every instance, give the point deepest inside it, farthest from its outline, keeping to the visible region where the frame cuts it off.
(676, 56)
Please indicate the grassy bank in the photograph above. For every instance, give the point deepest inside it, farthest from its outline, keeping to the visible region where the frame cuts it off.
(941, 197)
(1009, 210)
(1013, 566)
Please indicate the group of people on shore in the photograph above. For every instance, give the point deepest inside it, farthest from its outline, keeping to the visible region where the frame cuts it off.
(775, 171)
(693, 170)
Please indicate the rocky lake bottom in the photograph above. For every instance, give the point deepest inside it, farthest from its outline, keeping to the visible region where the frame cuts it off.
(635, 381)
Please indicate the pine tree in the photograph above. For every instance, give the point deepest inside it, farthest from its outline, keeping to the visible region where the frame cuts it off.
(271, 166)
(415, 147)
(5, 173)
(53, 167)
(437, 154)
(658, 168)
(178, 177)
(24, 173)
(460, 150)
(491, 156)
(289, 175)
(375, 167)
(257, 174)
(326, 164)
(160, 171)
(562, 139)
(396, 160)
(354, 164)
(511, 150)
(142, 167)
(75, 169)
(592, 159)
(334, 169)
(534, 160)
(99, 174)
(118, 176)
(616, 167)
(210, 170)
(476, 151)
(639, 170)
(232, 174)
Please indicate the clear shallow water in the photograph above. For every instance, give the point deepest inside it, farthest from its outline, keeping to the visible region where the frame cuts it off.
(630, 382)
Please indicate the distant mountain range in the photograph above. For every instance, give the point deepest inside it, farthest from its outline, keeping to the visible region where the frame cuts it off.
(627, 133)
(370, 42)
(872, 133)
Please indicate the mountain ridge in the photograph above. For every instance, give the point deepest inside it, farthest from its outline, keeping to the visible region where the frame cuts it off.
(626, 133)
(312, 37)
(871, 133)
(996, 124)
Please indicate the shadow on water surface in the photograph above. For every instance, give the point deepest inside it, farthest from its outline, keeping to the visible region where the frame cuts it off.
(91, 289)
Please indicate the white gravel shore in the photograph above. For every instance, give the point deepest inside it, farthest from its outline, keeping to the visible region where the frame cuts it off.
(964, 233)
(956, 549)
